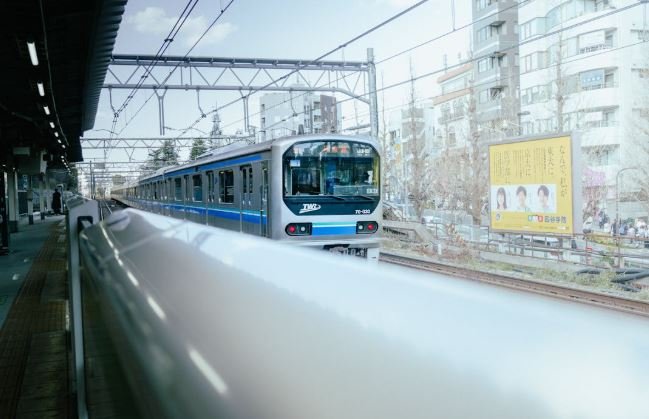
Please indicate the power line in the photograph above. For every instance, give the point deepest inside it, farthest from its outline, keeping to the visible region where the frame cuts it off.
(475, 59)
(338, 48)
(189, 7)
(398, 54)
(428, 98)
(409, 80)
(464, 62)
(451, 32)
(200, 38)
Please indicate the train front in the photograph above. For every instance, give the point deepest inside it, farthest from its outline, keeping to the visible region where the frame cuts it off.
(330, 194)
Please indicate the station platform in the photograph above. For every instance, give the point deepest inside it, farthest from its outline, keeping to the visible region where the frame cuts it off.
(35, 352)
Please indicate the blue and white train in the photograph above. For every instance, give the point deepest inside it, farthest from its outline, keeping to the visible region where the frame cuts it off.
(321, 191)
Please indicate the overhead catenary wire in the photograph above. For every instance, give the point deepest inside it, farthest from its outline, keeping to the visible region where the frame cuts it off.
(326, 54)
(478, 58)
(200, 38)
(400, 53)
(487, 83)
(184, 15)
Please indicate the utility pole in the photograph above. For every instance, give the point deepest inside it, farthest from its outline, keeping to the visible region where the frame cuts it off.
(618, 222)
(374, 106)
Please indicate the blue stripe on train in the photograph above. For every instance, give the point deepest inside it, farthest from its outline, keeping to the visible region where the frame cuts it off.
(247, 216)
(318, 229)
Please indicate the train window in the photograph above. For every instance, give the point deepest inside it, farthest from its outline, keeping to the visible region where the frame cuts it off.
(197, 182)
(337, 168)
(244, 176)
(226, 186)
(264, 192)
(250, 180)
(210, 186)
(188, 188)
(178, 189)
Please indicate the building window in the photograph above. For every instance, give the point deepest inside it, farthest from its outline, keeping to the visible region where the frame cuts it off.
(451, 142)
(596, 79)
(483, 96)
(458, 108)
(640, 34)
(226, 186)
(488, 32)
(535, 61)
(602, 156)
(483, 4)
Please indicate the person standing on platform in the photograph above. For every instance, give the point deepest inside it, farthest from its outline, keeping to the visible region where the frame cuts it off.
(56, 201)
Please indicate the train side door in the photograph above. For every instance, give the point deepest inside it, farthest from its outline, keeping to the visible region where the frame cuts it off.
(245, 201)
(263, 200)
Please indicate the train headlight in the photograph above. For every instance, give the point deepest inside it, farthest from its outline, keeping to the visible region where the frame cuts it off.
(298, 229)
(366, 227)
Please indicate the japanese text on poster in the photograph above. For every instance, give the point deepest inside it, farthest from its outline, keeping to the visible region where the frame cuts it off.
(531, 186)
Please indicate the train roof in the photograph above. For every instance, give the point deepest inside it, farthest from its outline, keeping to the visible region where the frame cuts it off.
(240, 149)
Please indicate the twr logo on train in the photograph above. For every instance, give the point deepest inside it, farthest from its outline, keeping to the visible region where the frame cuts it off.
(309, 208)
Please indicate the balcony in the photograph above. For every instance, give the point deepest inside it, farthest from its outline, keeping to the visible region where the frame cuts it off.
(451, 116)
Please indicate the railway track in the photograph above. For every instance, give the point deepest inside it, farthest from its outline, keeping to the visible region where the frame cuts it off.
(107, 207)
(552, 290)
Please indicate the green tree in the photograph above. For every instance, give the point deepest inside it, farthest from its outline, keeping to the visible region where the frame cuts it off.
(166, 155)
(198, 148)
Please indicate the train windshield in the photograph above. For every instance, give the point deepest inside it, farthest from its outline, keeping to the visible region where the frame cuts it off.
(334, 168)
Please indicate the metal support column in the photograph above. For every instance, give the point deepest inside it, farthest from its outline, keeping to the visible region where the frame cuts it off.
(161, 109)
(12, 202)
(246, 115)
(30, 201)
(41, 195)
(78, 209)
(374, 107)
(4, 220)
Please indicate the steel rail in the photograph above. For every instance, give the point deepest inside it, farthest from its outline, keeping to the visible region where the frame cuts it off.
(583, 296)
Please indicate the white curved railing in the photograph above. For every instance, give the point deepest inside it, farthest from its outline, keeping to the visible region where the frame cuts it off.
(211, 323)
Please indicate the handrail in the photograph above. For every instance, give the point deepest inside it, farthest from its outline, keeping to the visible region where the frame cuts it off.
(220, 324)
(81, 212)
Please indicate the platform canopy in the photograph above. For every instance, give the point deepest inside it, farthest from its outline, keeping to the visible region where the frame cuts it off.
(71, 42)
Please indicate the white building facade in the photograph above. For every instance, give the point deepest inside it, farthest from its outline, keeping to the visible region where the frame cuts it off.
(495, 74)
(292, 113)
(451, 109)
(581, 68)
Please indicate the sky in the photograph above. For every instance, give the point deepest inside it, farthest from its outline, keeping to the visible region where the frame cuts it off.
(294, 29)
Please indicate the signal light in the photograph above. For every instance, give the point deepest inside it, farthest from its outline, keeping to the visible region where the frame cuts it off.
(366, 227)
(298, 229)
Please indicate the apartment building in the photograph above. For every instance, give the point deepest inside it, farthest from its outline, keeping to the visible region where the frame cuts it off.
(583, 66)
(451, 109)
(495, 73)
(292, 113)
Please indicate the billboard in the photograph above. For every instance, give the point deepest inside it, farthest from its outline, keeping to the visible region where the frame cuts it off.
(532, 186)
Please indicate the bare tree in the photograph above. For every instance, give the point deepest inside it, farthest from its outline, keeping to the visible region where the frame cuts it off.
(416, 153)
(638, 132)
(387, 152)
